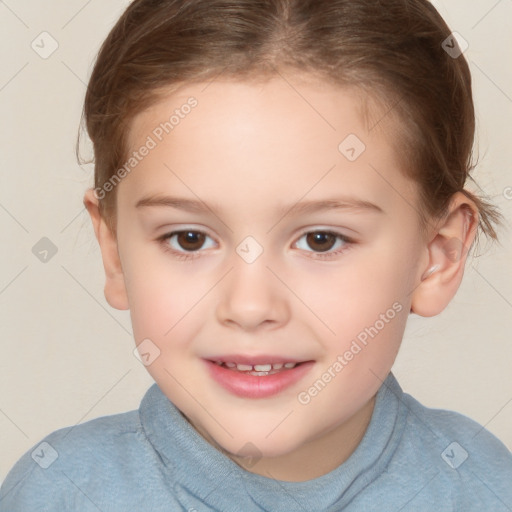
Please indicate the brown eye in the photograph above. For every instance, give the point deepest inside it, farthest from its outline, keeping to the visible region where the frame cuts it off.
(186, 244)
(321, 241)
(323, 244)
(190, 240)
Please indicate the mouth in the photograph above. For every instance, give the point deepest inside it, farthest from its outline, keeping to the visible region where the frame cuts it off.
(258, 377)
(259, 370)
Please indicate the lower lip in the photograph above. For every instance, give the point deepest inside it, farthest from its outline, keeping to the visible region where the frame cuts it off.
(252, 386)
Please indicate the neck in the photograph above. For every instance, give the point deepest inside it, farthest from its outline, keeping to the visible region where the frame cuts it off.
(315, 458)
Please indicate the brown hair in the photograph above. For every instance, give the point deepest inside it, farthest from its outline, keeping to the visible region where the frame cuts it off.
(390, 49)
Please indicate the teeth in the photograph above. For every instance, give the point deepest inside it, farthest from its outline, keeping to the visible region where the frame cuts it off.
(243, 367)
(263, 367)
(257, 367)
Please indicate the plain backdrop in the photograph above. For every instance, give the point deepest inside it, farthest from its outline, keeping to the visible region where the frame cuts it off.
(66, 356)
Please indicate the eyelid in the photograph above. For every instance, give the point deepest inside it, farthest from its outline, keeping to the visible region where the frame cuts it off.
(170, 233)
(322, 229)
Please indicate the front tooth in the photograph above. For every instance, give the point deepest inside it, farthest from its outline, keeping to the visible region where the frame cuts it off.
(277, 366)
(230, 365)
(244, 367)
(289, 365)
(262, 367)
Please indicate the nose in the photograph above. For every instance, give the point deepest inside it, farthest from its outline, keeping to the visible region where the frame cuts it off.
(252, 298)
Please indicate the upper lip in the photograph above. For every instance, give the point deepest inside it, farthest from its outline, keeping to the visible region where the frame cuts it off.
(255, 359)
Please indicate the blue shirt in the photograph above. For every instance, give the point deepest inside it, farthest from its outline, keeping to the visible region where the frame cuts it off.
(411, 458)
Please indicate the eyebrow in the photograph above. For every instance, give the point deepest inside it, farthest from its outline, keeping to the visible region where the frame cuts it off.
(302, 207)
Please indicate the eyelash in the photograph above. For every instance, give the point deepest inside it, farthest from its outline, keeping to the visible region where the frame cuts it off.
(189, 255)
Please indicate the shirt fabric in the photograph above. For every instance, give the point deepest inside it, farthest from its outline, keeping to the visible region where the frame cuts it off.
(411, 458)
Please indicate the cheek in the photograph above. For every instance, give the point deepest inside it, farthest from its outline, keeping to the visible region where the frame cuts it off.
(366, 308)
(373, 281)
(161, 294)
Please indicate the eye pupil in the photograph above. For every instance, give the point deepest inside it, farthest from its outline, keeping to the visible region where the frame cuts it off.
(321, 238)
(191, 240)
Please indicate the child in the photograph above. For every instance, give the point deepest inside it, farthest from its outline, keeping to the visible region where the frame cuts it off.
(278, 184)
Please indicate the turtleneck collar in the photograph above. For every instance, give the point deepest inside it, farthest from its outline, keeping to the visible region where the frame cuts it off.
(199, 473)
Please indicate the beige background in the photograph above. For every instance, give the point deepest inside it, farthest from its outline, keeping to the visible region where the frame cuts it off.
(66, 356)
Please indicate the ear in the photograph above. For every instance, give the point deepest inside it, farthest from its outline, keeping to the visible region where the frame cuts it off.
(447, 253)
(115, 290)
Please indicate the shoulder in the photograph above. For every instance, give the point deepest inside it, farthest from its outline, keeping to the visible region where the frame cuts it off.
(472, 464)
(449, 426)
(55, 473)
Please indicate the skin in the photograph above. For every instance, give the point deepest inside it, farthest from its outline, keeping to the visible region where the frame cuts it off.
(251, 149)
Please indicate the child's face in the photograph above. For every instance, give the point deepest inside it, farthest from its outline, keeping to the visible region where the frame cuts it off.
(249, 153)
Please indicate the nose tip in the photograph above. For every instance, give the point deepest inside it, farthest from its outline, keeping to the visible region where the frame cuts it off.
(251, 297)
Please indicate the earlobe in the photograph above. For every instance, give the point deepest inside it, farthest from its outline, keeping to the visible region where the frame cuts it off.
(115, 289)
(447, 254)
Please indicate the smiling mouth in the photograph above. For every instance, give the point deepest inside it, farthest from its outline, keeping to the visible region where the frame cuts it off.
(259, 376)
(259, 370)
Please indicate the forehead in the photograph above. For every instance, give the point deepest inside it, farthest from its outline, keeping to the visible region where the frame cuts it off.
(285, 134)
(235, 105)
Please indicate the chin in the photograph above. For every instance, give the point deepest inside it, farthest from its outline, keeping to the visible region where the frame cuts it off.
(257, 445)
